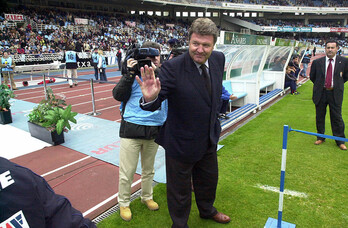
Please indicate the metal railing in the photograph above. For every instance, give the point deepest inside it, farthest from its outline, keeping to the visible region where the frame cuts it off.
(92, 81)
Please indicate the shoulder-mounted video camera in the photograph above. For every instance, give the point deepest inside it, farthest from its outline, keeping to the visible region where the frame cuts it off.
(140, 54)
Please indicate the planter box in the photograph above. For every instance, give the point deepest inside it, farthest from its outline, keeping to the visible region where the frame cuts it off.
(5, 117)
(43, 134)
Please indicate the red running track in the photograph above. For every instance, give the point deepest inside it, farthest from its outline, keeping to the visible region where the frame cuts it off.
(90, 184)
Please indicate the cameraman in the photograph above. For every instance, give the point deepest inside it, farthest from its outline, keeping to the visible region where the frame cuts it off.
(138, 129)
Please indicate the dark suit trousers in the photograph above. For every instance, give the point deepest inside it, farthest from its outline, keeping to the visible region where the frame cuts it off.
(337, 124)
(204, 176)
(224, 104)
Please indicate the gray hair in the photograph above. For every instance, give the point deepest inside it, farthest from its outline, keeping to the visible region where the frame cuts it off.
(204, 26)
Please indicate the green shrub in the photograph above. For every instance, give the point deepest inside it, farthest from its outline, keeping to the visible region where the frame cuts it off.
(51, 114)
(5, 95)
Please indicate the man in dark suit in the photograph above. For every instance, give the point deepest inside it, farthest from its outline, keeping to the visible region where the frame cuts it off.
(329, 74)
(192, 83)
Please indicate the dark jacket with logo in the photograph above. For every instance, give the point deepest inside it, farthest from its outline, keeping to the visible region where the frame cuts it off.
(26, 199)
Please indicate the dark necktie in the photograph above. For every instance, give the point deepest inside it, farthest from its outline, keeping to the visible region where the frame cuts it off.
(206, 78)
(328, 79)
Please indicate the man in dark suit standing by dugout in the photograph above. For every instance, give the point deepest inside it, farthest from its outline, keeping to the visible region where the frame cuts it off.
(329, 74)
(192, 83)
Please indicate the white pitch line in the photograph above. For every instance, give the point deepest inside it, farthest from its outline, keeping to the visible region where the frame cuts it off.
(286, 192)
(106, 201)
(67, 92)
(87, 102)
(62, 167)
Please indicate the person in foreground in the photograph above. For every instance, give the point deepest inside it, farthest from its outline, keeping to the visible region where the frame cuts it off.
(328, 75)
(26, 200)
(192, 83)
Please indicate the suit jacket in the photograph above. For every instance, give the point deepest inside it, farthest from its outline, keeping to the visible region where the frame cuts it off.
(317, 76)
(192, 127)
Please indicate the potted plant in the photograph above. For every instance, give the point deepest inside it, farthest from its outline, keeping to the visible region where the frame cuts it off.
(5, 95)
(49, 120)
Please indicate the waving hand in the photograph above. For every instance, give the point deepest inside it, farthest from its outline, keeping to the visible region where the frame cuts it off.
(150, 85)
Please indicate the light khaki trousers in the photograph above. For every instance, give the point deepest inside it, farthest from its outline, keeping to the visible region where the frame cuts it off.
(9, 75)
(71, 73)
(129, 155)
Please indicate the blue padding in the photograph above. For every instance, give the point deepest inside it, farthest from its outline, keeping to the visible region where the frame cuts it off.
(228, 86)
(273, 223)
(282, 181)
(269, 95)
(238, 112)
(239, 95)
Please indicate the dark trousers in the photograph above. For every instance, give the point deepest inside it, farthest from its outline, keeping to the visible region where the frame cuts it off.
(337, 124)
(102, 75)
(291, 84)
(204, 176)
(224, 104)
(119, 63)
(96, 73)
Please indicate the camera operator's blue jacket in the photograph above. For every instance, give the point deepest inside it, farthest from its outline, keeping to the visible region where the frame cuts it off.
(134, 114)
(26, 200)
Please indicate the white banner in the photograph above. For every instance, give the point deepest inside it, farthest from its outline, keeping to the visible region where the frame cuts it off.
(325, 29)
(81, 21)
(14, 17)
(269, 28)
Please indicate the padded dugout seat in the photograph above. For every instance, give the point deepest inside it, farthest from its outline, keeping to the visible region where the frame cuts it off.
(228, 86)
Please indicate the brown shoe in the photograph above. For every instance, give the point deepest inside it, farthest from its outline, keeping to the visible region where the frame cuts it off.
(342, 146)
(221, 218)
(318, 142)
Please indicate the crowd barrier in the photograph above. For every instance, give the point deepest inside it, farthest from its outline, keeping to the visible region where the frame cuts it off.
(92, 81)
(46, 58)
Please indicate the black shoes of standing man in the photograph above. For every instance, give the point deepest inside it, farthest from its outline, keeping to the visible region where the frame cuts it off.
(223, 116)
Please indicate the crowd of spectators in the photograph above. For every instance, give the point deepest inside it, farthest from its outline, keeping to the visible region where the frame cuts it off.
(297, 23)
(57, 30)
(312, 3)
(53, 30)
